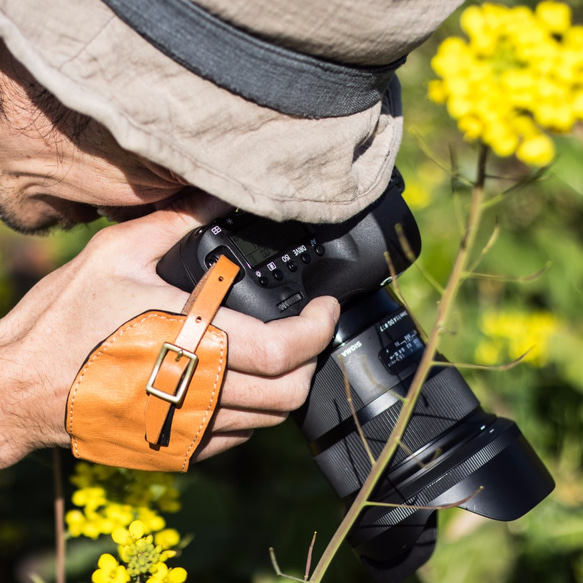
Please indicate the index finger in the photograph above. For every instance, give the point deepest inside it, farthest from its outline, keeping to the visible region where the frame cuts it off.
(277, 347)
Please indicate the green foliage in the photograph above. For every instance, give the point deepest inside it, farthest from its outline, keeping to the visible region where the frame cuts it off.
(268, 493)
(538, 223)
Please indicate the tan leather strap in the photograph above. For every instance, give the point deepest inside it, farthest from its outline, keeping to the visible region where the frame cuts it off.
(138, 380)
(200, 310)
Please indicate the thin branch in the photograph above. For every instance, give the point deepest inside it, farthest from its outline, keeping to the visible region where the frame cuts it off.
(444, 308)
(428, 277)
(409, 452)
(59, 505)
(510, 278)
(277, 570)
(493, 367)
(419, 507)
(413, 259)
(526, 180)
(354, 413)
(309, 558)
(486, 249)
(449, 169)
(404, 242)
(517, 184)
(396, 291)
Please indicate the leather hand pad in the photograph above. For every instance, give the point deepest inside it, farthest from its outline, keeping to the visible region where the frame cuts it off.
(126, 407)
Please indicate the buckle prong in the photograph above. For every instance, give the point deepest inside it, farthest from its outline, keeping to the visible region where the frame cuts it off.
(178, 397)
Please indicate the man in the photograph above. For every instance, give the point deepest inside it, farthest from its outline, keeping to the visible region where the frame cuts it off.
(104, 114)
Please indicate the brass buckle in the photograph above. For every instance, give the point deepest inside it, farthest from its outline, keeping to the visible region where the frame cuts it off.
(177, 397)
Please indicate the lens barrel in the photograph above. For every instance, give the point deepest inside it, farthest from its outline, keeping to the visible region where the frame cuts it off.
(452, 452)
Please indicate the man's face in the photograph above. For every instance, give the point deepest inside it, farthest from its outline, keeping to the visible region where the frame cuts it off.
(48, 178)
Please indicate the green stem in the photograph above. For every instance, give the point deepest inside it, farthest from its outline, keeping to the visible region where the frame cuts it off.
(59, 517)
(445, 305)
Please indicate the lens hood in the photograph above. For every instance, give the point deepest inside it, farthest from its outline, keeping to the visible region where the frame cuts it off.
(495, 474)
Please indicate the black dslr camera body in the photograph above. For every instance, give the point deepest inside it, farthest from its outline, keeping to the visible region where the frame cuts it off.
(452, 451)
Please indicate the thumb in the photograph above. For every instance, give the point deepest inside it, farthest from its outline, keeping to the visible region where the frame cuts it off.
(164, 227)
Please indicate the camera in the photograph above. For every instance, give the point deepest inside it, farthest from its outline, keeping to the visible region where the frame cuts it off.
(452, 451)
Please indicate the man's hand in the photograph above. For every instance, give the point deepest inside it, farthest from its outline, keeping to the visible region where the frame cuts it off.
(47, 336)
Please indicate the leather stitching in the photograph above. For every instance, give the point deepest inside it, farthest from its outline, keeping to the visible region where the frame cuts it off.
(111, 340)
(203, 423)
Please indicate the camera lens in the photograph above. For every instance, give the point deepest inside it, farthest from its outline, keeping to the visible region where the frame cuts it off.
(452, 452)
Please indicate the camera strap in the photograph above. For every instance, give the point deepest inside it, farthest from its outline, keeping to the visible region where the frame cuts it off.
(167, 378)
(145, 396)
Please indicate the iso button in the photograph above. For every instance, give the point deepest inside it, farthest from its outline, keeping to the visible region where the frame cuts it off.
(305, 257)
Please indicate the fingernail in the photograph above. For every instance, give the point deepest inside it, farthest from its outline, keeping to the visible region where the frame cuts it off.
(335, 310)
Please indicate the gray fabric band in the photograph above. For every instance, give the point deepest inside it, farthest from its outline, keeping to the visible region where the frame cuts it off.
(287, 81)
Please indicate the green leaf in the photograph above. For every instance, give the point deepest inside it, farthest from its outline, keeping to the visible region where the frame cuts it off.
(567, 166)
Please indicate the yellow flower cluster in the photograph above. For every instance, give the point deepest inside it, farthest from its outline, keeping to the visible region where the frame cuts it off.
(143, 557)
(512, 334)
(113, 497)
(124, 504)
(519, 74)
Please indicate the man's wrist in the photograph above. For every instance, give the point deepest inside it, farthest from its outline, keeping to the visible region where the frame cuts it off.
(27, 407)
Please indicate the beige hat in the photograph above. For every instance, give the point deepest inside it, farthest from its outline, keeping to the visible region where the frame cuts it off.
(286, 108)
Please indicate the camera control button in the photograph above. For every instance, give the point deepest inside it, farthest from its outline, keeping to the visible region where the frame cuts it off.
(289, 302)
(277, 274)
(292, 266)
(263, 280)
(305, 257)
(210, 260)
(319, 250)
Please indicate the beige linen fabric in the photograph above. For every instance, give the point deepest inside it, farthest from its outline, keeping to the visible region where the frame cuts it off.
(272, 164)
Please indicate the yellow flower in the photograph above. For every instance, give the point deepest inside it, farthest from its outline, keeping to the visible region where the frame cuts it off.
(75, 520)
(555, 16)
(518, 64)
(162, 574)
(123, 503)
(109, 571)
(524, 126)
(551, 115)
(119, 514)
(90, 497)
(451, 54)
(513, 334)
(573, 37)
(437, 92)
(536, 151)
(150, 519)
(123, 537)
(577, 101)
(111, 498)
(167, 538)
(140, 551)
(501, 137)
(471, 126)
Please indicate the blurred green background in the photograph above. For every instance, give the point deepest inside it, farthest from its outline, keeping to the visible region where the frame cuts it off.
(268, 493)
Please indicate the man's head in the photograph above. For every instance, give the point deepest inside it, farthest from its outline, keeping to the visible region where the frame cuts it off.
(258, 103)
(59, 167)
